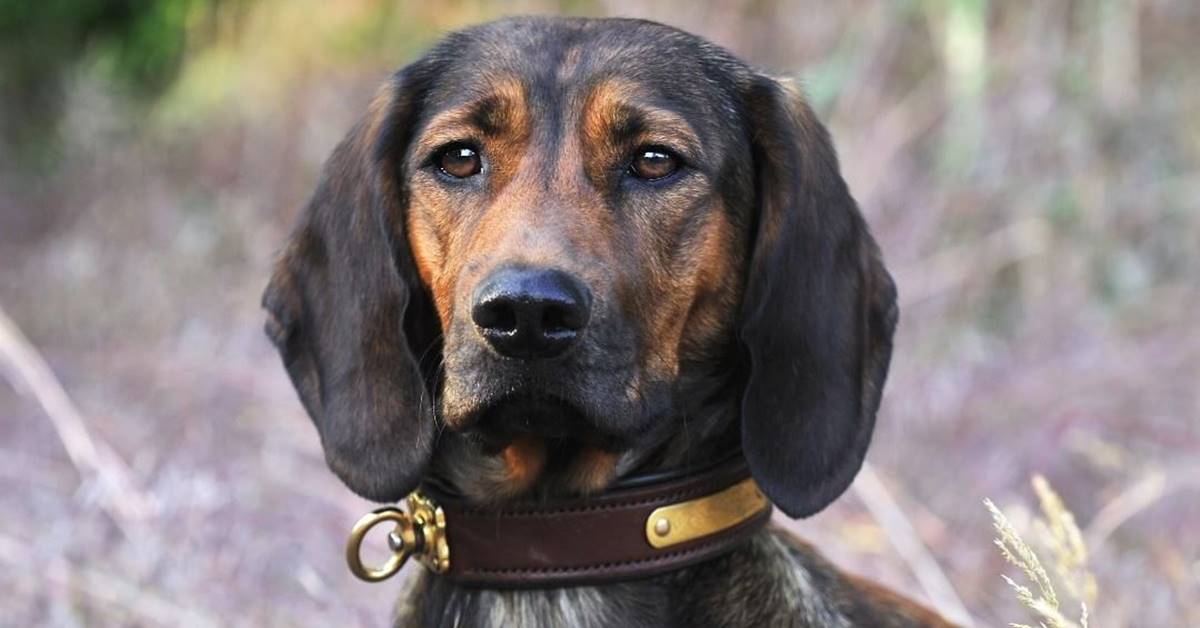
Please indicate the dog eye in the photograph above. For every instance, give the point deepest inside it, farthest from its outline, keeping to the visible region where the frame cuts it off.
(459, 161)
(653, 163)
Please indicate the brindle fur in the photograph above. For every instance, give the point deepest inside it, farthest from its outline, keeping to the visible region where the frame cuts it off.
(743, 302)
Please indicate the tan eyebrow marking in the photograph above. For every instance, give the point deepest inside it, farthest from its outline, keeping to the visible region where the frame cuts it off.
(499, 109)
(614, 114)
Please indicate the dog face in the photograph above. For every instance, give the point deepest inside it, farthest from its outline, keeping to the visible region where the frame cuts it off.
(562, 240)
(567, 213)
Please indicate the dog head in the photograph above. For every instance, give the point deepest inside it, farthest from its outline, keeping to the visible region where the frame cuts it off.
(556, 248)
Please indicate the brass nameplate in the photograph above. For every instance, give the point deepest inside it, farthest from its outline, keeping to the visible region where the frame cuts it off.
(682, 522)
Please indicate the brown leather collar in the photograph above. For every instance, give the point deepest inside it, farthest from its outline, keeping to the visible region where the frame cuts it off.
(606, 537)
(622, 534)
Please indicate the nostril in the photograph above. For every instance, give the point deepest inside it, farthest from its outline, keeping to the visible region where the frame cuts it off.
(563, 319)
(554, 320)
(495, 315)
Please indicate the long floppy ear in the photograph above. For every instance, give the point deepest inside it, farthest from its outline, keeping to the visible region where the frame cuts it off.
(348, 314)
(818, 313)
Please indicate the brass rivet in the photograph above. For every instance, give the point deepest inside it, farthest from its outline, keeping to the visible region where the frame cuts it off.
(662, 527)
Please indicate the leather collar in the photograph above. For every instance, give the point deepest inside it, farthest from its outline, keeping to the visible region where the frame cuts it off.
(638, 529)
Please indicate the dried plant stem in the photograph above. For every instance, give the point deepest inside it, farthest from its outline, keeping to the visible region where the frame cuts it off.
(901, 534)
(1066, 545)
(29, 374)
(1061, 534)
(1147, 491)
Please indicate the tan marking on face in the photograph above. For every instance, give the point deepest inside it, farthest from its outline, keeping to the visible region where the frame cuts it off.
(692, 305)
(603, 110)
(500, 106)
(524, 460)
(428, 245)
(592, 470)
(490, 479)
(716, 289)
(614, 105)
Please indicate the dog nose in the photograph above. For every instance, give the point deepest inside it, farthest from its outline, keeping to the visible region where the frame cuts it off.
(530, 313)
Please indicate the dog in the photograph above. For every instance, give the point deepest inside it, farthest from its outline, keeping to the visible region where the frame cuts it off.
(558, 252)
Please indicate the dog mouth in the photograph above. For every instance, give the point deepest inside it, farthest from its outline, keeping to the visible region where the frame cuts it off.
(563, 427)
(535, 442)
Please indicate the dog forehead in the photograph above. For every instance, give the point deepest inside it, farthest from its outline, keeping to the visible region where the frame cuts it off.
(555, 63)
(544, 45)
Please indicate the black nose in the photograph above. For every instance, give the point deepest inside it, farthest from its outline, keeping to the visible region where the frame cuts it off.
(530, 314)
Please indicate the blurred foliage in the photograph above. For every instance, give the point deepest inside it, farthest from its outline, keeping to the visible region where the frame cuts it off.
(137, 46)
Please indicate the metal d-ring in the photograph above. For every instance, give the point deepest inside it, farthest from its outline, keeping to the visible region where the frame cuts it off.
(420, 532)
(402, 540)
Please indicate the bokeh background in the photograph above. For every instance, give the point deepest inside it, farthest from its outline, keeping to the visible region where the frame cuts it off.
(1031, 170)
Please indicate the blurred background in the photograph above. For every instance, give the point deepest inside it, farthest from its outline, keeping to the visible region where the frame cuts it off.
(1031, 170)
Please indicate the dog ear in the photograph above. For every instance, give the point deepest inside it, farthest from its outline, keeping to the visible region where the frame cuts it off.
(348, 313)
(818, 312)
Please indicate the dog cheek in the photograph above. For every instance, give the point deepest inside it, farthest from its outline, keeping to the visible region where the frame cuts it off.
(464, 377)
(710, 292)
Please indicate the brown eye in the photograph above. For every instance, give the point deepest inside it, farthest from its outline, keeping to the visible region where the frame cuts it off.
(653, 163)
(459, 161)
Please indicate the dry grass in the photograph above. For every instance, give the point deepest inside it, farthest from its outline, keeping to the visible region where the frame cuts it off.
(1062, 539)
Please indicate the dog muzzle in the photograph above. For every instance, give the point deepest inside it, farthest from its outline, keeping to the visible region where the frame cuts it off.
(645, 526)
